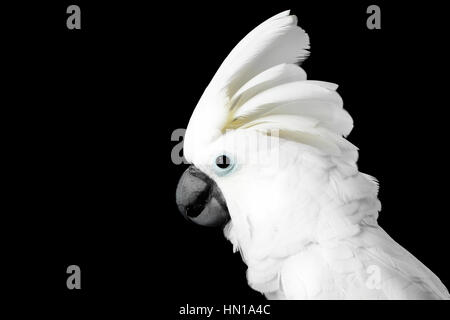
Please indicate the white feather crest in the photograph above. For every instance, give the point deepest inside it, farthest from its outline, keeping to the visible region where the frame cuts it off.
(277, 40)
(260, 87)
(302, 110)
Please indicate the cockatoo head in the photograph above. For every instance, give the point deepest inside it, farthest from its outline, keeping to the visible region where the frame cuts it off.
(268, 152)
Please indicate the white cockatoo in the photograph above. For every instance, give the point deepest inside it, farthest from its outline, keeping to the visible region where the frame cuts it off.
(271, 165)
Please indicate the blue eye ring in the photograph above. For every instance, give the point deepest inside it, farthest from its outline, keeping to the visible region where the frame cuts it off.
(223, 165)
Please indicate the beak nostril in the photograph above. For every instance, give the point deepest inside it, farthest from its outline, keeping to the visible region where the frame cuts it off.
(194, 210)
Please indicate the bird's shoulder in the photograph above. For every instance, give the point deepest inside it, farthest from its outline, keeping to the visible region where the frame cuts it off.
(369, 265)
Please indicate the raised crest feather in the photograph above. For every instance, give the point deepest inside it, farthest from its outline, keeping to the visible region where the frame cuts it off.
(260, 79)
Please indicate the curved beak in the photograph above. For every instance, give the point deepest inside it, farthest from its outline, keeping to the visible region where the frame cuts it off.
(200, 200)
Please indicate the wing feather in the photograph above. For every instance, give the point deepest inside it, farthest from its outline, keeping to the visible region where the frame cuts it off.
(403, 276)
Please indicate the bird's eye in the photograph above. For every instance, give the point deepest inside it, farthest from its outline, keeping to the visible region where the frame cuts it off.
(223, 165)
(223, 161)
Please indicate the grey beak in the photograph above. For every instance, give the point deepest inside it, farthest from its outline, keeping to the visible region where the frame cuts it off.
(200, 200)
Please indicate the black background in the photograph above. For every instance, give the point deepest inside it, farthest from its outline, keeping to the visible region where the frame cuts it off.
(88, 117)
